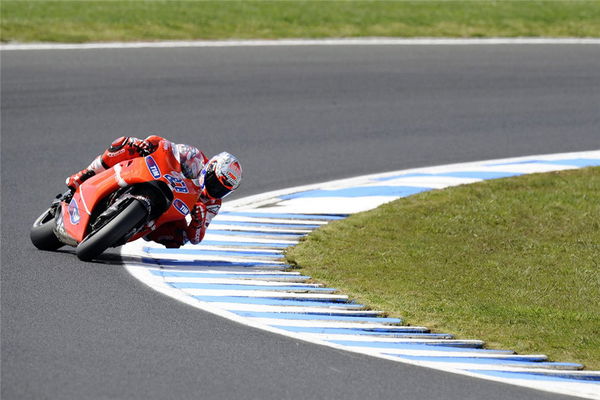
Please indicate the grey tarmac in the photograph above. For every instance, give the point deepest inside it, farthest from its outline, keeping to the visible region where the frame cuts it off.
(293, 115)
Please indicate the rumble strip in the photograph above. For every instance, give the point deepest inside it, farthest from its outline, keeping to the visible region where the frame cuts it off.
(238, 272)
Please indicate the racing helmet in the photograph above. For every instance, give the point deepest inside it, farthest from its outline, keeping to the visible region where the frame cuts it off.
(191, 160)
(222, 175)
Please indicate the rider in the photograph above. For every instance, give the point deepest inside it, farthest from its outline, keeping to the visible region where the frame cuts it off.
(218, 176)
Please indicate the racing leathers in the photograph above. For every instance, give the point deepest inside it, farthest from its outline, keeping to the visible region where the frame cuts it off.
(172, 234)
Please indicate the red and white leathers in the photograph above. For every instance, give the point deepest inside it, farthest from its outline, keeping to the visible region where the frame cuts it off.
(172, 234)
(176, 233)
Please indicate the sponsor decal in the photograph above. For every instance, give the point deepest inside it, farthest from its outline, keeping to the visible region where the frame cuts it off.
(153, 167)
(181, 207)
(74, 212)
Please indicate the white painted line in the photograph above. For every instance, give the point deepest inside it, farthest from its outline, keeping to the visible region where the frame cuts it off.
(574, 373)
(336, 324)
(435, 351)
(247, 282)
(209, 258)
(267, 251)
(253, 291)
(235, 267)
(234, 218)
(283, 274)
(403, 338)
(248, 239)
(206, 255)
(325, 205)
(367, 41)
(267, 294)
(264, 229)
(283, 277)
(288, 309)
(506, 366)
(433, 182)
(525, 168)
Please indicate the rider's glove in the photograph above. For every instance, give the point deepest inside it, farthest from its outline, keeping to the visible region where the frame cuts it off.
(77, 179)
(198, 215)
(196, 229)
(143, 147)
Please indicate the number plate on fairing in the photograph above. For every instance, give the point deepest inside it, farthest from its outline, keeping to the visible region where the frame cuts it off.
(74, 216)
(177, 184)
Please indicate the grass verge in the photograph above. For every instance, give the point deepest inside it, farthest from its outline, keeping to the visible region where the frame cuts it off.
(82, 21)
(515, 262)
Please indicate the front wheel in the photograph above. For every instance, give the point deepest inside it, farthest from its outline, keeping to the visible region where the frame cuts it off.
(112, 232)
(42, 232)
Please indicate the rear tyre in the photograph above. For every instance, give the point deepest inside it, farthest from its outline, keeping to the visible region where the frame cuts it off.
(112, 232)
(42, 232)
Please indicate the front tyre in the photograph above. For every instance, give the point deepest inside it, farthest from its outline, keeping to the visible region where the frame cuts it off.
(112, 232)
(42, 232)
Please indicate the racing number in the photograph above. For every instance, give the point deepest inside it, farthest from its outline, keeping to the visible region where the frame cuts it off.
(177, 184)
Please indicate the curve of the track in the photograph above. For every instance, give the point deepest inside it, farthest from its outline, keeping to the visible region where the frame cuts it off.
(74, 330)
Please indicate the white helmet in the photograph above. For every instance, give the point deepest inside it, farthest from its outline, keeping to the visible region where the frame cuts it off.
(222, 174)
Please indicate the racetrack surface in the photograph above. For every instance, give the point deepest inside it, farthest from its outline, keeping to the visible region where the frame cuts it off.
(293, 116)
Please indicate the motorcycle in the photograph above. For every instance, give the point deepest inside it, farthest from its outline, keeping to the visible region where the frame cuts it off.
(118, 205)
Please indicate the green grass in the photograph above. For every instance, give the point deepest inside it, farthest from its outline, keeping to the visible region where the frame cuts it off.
(82, 21)
(515, 262)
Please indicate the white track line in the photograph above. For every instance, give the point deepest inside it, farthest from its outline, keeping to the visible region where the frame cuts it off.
(368, 41)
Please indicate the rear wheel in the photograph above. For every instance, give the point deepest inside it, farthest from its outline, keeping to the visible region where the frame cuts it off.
(42, 232)
(112, 231)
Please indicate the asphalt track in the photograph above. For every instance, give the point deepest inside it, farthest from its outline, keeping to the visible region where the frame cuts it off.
(73, 330)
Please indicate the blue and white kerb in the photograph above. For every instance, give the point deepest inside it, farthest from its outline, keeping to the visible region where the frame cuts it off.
(238, 272)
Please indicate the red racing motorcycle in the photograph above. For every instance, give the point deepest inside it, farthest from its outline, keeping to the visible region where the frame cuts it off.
(119, 205)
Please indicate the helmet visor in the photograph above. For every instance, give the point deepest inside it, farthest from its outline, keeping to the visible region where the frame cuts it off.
(214, 187)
